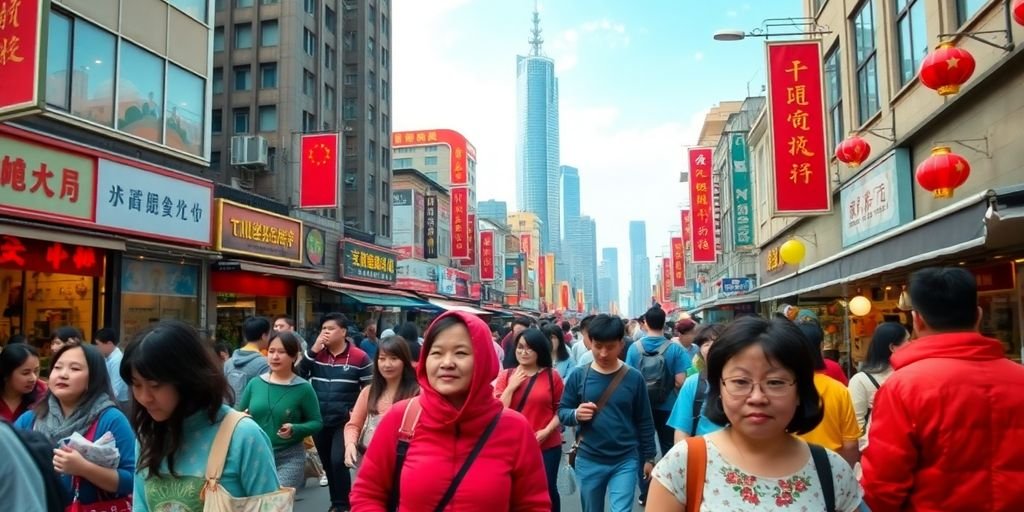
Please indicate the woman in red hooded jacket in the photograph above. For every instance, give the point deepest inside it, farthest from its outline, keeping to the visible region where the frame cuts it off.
(444, 426)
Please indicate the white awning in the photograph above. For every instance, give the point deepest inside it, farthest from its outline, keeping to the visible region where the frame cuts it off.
(448, 305)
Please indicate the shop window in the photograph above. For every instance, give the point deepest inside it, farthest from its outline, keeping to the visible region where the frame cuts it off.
(241, 295)
(92, 83)
(186, 104)
(154, 290)
(58, 61)
(140, 93)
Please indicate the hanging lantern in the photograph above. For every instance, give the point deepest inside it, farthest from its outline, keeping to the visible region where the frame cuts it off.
(854, 150)
(946, 69)
(860, 305)
(1018, 11)
(792, 252)
(943, 172)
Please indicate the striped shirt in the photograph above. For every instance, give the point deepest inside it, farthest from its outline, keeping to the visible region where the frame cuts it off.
(337, 379)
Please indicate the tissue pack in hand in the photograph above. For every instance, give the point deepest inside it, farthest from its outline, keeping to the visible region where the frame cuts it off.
(102, 452)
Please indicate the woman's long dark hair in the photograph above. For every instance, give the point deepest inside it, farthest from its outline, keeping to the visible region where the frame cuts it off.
(408, 387)
(99, 379)
(12, 357)
(538, 342)
(554, 331)
(172, 353)
(887, 335)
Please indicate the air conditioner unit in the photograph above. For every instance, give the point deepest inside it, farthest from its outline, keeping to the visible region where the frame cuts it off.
(249, 151)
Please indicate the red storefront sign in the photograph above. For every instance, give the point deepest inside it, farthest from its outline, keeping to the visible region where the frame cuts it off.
(471, 260)
(22, 47)
(460, 223)
(487, 255)
(703, 206)
(678, 262)
(685, 219)
(542, 278)
(796, 108)
(319, 171)
(563, 295)
(526, 244)
(49, 257)
(666, 279)
(461, 150)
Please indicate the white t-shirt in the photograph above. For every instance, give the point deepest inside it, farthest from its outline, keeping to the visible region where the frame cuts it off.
(729, 489)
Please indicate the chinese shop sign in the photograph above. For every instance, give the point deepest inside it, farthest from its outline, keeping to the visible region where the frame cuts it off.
(737, 285)
(879, 199)
(49, 257)
(461, 150)
(315, 247)
(487, 255)
(253, 232)
(666, 279)
(678, 263)
(141, 201)
(796, 109)
(46, 180)
(687, 235)
(460, 223)
(364, 262)
(542, 278)
(471, 260)
(22, 55)
(318, 171)
(743, 211)
(430, 228)
(703, 216)
(526, 243)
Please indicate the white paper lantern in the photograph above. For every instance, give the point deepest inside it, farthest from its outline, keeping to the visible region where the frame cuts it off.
(860, 305)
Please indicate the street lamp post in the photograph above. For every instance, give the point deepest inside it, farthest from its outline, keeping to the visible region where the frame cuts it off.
(767, 30)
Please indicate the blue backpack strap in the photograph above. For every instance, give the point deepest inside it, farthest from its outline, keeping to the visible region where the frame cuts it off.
(824, 469)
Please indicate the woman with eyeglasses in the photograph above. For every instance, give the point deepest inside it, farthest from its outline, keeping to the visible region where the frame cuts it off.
(688, 416)
(761, 386)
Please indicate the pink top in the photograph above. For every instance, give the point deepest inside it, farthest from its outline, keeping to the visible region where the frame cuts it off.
(360, 415)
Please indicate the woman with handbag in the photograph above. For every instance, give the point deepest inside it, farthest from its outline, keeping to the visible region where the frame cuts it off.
(477, 454)
(178, 412)
(394, 380)
(534, 389)
(80, 401)
(285, 407)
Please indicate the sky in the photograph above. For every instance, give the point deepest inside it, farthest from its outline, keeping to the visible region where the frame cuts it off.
(635, 82)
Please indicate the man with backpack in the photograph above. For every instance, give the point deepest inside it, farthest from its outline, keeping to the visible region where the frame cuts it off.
(663, 365)
(248, 362)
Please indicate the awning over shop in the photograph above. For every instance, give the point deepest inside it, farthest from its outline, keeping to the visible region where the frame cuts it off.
(725, 301)
(448, 305)
(63, 235)
(269, 269)
(500, 311)
(377, 296)
(975, 224)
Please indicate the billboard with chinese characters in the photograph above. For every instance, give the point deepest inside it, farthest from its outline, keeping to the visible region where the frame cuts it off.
(460, 223)
(796, 110)
(527, 249)
(702, 206)
(430, 228)
(253, 232)
(364, 262)
(50, 257)
(471, 239)
(403, 223)
(462, 152)
(318, 170)
(678, 263)
(742, 203)
(666, 279)
(416, 276)
(22, 56)
(687, 232)
(879, 199)
(46, 181)
(487, 255)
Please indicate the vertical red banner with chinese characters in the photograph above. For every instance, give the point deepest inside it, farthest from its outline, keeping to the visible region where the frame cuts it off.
(459, 173)
(563, 295)
(471, 238)
(796, 109)
(487, 255)
(526, 244)
(318, 171)
(702, 206)
(678, 263)
(666, 279)
(542, 280)
(581, 301)
(685, 219)
(22, 52)
(460, 223)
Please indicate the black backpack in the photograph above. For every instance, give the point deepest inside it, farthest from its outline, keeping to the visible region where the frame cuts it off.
(654, 368)
(40, 449)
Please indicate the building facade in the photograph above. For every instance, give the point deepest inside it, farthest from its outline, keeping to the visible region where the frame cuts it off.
(529, 229)
(570, 215)
(493, 210)
(640, 269)
(608, 280)
(584, 260)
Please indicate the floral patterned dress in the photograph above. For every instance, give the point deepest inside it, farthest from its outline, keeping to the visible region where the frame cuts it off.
(727, 488)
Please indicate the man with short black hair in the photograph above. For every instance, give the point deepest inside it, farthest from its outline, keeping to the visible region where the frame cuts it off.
(945, 427)
(248, 362)
(579, 353)
(613, 436)
(285, 323)
(105, 341)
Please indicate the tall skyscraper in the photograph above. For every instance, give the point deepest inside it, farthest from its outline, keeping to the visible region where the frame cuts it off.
(608, 277)
(640, 269)
(583, 247)
(284, 68)
(537, 158)
(494, 211)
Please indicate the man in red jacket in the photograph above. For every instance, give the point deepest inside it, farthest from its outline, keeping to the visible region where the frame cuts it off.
(946, 428)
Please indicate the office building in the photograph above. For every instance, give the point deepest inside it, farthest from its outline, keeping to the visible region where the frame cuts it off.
(493, 210)
(640, 269)
(608, 279)
(583, 246)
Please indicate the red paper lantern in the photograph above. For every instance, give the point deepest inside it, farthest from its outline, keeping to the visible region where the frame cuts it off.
(943, 172)
(853, 151)
(947, 68)
(1018, 11)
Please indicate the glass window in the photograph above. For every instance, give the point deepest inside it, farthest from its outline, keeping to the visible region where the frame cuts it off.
(175, 295)
(218, 80)
(384, 95)
(328, 97)
(430, 160)
(910, 25)
(92, 83)
(308, 83)
(834, 96)
(243, 3)
(215, 159)
(243, 35)
(186, 105)
(371, 81)
(268, 118)
(218, 39)
(140, 93)
(349, 41)
(330, 57)
(351, 74)
(195, 8)
(371, 15)
(241, 116)
(58, 61)
(269, 33)
(348, 109)
(384, 24)
(966, 9)
(268, 2)
(385, 157)
(866, 60)
(220, 5)
(217, 120)
(268, 75)
(371, 150)
(371, 114)
(385, 58)
(385, 125)
(330, 19)
(403, 163)
(242, 82)
(310, 6)
(371, 48)
(308, 42)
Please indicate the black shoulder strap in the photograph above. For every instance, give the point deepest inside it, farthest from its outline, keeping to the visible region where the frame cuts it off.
(872, 379)
(824, 469)
(526, 392)
(450, 493)
(698, 403)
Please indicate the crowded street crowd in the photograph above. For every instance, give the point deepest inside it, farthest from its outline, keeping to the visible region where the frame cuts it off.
(472, 416)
